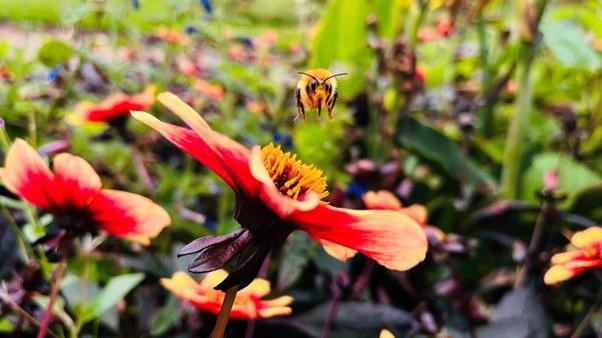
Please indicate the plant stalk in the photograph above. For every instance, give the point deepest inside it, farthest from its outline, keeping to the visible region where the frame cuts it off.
(523, 271)
(224, 313)
(56, 281)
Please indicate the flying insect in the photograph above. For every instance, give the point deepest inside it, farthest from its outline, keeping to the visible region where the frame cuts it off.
(316, 88)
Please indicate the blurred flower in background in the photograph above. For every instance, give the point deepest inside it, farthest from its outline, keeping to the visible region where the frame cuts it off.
(248, 303)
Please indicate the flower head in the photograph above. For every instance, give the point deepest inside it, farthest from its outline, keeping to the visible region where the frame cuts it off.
(72, 193)
(171, 36)
(275, 195)
(114, 107)
(585, 254)
(247, 304)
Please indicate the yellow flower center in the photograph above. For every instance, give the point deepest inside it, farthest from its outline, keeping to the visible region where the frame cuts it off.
(291, 176)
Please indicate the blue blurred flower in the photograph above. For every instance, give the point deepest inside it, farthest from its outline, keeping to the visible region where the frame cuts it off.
(207, 6)
(52, 75)
(247, 42)
(136, 3)
(210, 224)
(285, 140)
(355, 190)
(190, 29)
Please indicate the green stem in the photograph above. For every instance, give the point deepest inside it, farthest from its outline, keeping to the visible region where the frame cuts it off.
(515, 139)
(486, 115)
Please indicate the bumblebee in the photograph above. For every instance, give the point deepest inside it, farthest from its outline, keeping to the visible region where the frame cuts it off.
(316, 88)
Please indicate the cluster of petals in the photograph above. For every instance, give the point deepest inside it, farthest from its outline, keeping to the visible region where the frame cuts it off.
(584, 254)
(248, 303)
(113, 107)
(73, 193)
(267, 216)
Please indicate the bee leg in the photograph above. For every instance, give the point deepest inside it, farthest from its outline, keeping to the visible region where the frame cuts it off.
(331, 102)
(319, 107)
(300, 111)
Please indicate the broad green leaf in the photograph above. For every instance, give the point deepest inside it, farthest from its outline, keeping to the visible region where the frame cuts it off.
(58, 309)
(574, 177)
(165, 318)
(337, 42)
(433, 145)
(6, 325)
(295, 255)
(54, 52)
(117, 288)
(567, 43)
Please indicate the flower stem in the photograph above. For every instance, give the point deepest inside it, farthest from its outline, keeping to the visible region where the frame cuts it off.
(5, 298)
(521, 276)
(58, 276)
(330, 316)
(224, 313)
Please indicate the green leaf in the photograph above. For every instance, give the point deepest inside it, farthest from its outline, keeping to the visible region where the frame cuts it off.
(165, 318)
(6, 325)
(54, 52)
(295, 256)
(433, 145)
(336, 41)
(58, 309)
(567, 43)
(574, 177)
(117, 288)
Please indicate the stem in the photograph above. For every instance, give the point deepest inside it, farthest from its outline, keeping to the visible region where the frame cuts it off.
(224, 313)
(58, 275)
(21, 312)
(533, 245)
(581, 327)
(332, 312)
(486, 115)
(515, 138)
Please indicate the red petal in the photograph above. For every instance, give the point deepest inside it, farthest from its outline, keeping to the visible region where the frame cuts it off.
(127, 215)
(75, 181)
(225, 157)
(26, 175)
(389, 237)
(281, 204)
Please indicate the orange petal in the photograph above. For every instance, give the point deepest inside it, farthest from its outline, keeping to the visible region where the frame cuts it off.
(389, 237)
(587, 237)
(26, 175)
(75, 180)
(337, 251)
(130, 216)
(565, 257)
(381, 200)
(417, 212)
(282, 205)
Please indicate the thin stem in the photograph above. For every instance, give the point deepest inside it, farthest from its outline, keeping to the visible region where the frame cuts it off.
(58, 275)
(330, 316)
(224, 313)
(533, 245)
(5, 298)
(588, 317)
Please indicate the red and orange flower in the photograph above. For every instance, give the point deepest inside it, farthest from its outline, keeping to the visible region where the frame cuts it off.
(585, 254)
(113, 108)
(73, 194)
(247, 304)
(275, 195)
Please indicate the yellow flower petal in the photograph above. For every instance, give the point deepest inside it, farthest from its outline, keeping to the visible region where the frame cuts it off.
(587, 237)
(557, 274)
(259, 287)
(384, 333)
